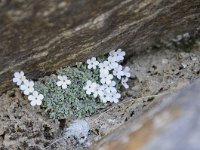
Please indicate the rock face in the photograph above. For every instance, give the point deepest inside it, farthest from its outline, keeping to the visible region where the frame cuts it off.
(41, 36)
(173, 125)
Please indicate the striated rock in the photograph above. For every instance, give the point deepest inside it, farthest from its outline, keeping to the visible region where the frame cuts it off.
(41, 36)
(172, 125)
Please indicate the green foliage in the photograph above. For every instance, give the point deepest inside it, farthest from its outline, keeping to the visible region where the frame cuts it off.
(73, 101)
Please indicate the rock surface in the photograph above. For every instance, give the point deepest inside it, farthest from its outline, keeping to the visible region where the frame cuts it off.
(173, 125)
(42, 36)
(159, 75)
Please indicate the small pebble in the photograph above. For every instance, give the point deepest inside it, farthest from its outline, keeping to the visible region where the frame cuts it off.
(165, 61)
(184, 65)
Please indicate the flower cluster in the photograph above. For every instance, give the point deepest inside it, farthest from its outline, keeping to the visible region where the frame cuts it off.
(71, 93)
(110, 72)
(27, 87)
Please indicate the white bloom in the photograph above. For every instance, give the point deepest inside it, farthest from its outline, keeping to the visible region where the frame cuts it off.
(99, 90)
(118, 72)
(119, 55)
(105, 97)
(27, 87)
(110, 97)
(104, 67)
(106, 78)
(124, 82)
(114, 97)
(92, 63)
(63, 81)
(90, 87)
(112, 62)
(19, 78)
(36, 98)
(127, 72)
(104, 72)
(110, 88)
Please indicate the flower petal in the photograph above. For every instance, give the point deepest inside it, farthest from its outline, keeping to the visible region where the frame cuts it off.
(23, 87)
(126, 86)
(16, 80)
(113, 90)
(89, 66)
(65, 78)
(17, 75)
(102, 80)
(31, 83)
(127, 69)
(26, 92)
(38, 102)
(104, 100)
(108, 81)
(35, 94)
(41, 97)
(59, 83)
(89, 82)
(115, 100)
(95, 94)
(100, 93)
(88, 61)
(96, 63)
(88, 92)
(33, 103)
(31, 89)
(26, 82)
(94, 67)
(68, 82)
(60, 77)
(93, 59)
(21, 73)
(64, 86)
(19, 82)
(110, 76)
(31, 98)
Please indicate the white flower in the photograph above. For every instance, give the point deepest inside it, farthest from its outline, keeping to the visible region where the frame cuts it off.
(110, 97)
(106, 78)
(105, 97)
(127, 72)
(104, 72)
(63, 81)
(36, 98)
(19, 78)
(119, 55)
(99, 90)
(118, 72)
(27, 87)
(114, 97)
(112, 62)
(92, 63)
(110, 88)
(90, 87)
(104, 67)
(124, 83)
